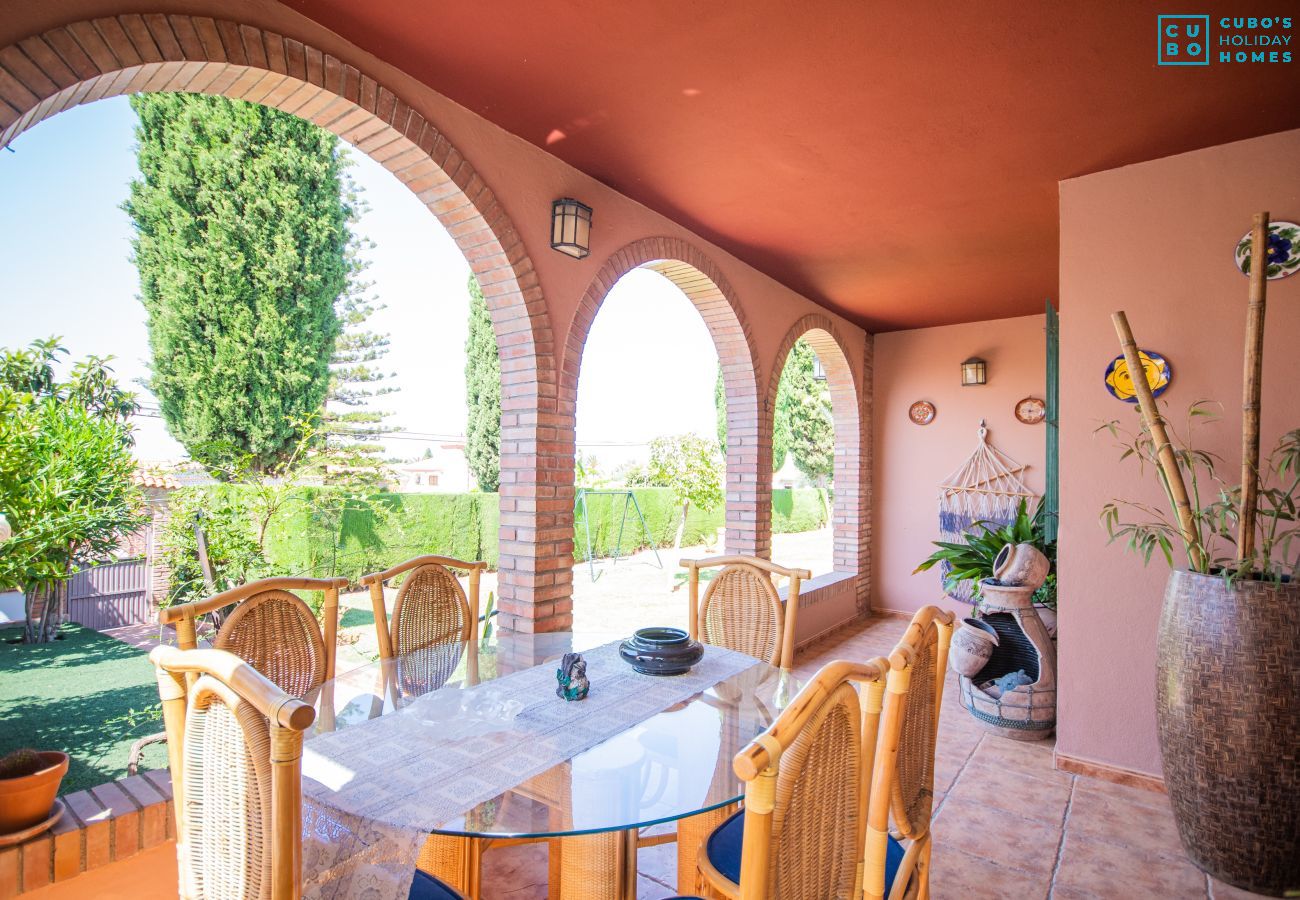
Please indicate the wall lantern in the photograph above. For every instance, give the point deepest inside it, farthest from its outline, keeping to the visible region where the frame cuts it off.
(974, 371)
(819, 371)
(571, 227)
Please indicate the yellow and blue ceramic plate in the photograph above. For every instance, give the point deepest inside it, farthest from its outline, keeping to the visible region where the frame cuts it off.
(1283, 250)
(1120, 383)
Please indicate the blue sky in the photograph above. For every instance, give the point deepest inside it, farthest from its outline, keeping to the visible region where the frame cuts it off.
(648, 370)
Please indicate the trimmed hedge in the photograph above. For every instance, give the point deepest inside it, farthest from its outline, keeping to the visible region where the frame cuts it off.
(300, 540)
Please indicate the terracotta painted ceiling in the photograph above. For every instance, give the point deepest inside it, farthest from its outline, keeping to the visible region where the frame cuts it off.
(897, 162)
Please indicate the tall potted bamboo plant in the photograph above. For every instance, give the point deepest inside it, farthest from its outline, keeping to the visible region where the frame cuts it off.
(1228, 687)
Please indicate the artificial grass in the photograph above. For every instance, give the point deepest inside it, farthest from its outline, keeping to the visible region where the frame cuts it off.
(86, 694)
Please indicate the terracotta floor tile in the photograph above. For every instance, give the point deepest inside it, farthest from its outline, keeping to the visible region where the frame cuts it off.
(514, 872)
(659, 863)
(997, 836)
(1124, 820)
(530, 892)
(1221, 891)
(1014, 791)
(1110, 871)
(1126, 794)
(1035, 757)
(648, 889)
(957, 875)
(1069, 893)
(947, 767)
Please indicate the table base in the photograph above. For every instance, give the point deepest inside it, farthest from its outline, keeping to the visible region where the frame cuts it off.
(599, 866)
(692, 832)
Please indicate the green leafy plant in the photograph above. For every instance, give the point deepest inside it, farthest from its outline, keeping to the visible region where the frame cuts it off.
(692, 467)
(1214, 503)
(66, 474)
(972, 560)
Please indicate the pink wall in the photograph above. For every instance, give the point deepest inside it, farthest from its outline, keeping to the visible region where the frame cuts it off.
(911, 460)
(1156, 240)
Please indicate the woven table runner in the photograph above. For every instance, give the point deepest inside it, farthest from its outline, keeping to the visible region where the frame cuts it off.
(374, 791)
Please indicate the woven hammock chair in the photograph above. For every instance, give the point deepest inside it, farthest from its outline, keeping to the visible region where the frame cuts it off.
(985, 488)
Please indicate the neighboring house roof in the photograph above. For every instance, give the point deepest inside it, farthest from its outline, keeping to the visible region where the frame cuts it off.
(161, 480)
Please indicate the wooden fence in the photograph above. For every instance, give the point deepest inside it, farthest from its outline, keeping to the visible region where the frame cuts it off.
(111, 595)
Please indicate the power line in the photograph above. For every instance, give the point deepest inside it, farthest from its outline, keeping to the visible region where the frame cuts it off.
(155, 412)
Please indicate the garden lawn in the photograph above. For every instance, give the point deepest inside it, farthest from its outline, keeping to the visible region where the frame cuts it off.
(86, 694)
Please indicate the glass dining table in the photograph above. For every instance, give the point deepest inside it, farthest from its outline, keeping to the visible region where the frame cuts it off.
(468, 740)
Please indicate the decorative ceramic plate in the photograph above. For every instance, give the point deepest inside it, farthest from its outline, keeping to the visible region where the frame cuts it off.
(1031, 410)
(1120, 383)
(1283, 250)
(921, 412)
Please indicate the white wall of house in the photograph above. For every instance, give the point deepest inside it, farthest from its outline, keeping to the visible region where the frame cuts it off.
(11, 608)
(789, 475)
(446, 471)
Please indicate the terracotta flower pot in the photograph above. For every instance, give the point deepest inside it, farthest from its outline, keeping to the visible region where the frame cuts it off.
(972, 645)
(1228, 707)
(1022, 565)
(27, 800)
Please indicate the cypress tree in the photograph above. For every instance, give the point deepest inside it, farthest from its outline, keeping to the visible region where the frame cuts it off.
(482, 394)
(241, 245)
(803, 413)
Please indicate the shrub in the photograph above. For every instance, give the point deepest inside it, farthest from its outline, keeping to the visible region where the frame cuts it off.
(303, 541)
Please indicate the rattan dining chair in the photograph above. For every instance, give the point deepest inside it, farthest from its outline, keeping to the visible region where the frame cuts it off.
(433, 621)
(902, 784)
(822, 780)
(431, 607)
(741, 609)
(234, 747)
(271, 629)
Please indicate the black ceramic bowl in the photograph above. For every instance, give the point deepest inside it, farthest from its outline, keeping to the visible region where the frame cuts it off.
(661, 651)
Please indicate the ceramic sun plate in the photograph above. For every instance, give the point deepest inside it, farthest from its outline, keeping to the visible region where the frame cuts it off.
(1120, 383)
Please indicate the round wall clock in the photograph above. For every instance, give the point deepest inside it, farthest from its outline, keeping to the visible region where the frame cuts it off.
(1031, 410)
(1283, 250)
(1120, 384)
(921, 412)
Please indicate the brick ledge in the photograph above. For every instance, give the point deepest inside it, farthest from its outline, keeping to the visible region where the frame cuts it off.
(105, 824)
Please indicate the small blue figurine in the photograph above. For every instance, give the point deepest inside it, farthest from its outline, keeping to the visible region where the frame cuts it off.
(1012, 680)
(572, 677)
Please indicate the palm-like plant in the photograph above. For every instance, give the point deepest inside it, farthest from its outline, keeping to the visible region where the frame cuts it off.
(972, 559)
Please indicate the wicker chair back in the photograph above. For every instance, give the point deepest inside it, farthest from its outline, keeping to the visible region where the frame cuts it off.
(741, 611)
(276, 633)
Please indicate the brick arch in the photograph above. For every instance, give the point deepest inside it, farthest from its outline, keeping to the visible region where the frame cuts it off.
(87, 61)
(748, 488)
(849, 514)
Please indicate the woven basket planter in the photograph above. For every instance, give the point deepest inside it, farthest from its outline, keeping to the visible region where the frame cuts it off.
(1028, 712)
(1228, 705)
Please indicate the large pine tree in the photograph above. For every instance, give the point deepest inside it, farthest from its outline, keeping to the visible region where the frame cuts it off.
(482, 394)
(241, 245)
(350, 452)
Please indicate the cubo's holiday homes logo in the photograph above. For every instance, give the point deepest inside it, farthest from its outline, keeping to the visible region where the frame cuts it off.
(1187, 40)
(1184, 41)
